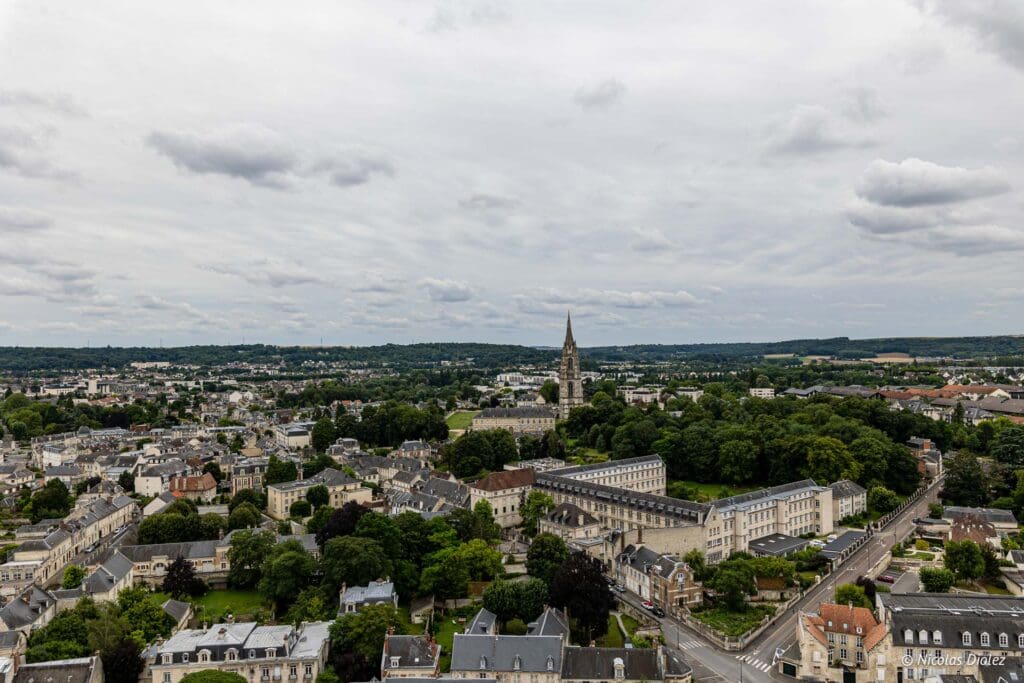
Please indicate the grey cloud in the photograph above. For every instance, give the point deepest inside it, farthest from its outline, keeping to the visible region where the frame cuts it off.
(447, 290)
(13, 218)
(600, 299)
(154, 303)
(998, 25)
(600, 95)
(357, 170)
(252, 153)
(18, 286)
(813, 129)
(451, 15)
(488, 202)
(268, 272)
(25, 99)
(650, 240)
(913, 182)
(378, 283)
(863, 105)
(24, 151)
(972, 240)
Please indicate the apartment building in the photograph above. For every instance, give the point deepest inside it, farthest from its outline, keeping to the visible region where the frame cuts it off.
(645, 474)
(521, 420)
(506, 492)
(257, 653)
(842, 643)
(848, 498)
(341, 487)
(247, 473)
(41, 558)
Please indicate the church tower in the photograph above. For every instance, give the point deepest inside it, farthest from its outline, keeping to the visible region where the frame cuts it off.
(570, 384)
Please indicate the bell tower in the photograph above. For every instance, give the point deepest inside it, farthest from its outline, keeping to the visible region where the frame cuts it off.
(570, 382)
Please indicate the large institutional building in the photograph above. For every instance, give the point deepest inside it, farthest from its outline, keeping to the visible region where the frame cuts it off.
(570, 381)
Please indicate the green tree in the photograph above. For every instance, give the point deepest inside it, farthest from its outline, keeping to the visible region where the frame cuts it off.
(362, 633)
(851, 593)
(250, 496)
(342, 522)
(181, 579)
(502, 598)
(51, 502)
(1008, 448)
(323, 434)
(733, 584)
(126, 480)
(73, 576)
(214, 469)
(698, 565)
(318, 496)
(245, 516)
(828, 460)
(286, 572)
(545, 556)
(579, 587)
(965, 481)
(280, 471)
(737, 461)
(353, 561)
(212, 676)
(936, 580)
(536, 505)
(300, 508)
(249, 548)
(122, 661)
(964, 559)
(881, 499)
(311, 605)
(144, 612)
(549, 391)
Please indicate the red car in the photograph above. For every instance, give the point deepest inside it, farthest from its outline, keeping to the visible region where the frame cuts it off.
(647, 604)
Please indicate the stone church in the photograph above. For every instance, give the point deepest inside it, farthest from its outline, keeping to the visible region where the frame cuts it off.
(570, 382)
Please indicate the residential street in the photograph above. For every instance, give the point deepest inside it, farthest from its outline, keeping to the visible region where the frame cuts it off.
(755, 663)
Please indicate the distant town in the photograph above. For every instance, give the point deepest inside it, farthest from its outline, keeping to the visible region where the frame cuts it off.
(766, 517)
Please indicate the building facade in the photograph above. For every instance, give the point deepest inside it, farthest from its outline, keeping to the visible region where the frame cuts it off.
(570, 381)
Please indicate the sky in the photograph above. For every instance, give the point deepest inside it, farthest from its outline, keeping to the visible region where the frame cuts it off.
(467, 170)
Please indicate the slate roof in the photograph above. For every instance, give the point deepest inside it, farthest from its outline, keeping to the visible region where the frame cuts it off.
(327, 477)
(992, 515)
(844, 488)
(782, 491)
(952, 615)
(108, 574)
(176, 608)
(24, 609)
(61, 670)
(483, 622)
(598, 663)
(776, 545)
(191, 550)
(505, 479)
(580, 469)
(534, 654)
(683, 510)
(375, 591)
(412, 651)
(570, 515)
(551, 623)
(520, 412)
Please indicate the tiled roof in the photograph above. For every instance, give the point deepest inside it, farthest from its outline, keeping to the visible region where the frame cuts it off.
(506, 479)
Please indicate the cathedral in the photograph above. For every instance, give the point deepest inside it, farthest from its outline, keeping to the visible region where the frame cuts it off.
(570, 383)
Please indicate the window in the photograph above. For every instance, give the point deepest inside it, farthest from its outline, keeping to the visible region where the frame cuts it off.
(167, 658)
(167, 677)
(232, 655)
(922, 636)
(937, 637)
(984, 639)
(394, 663)
(309, 669)
(204, 656)
(842, 653)
(860, 657)
(1020, 640)
(938, 654)
(271, 652)
(184, 657)
(908, 636)
(966, 638)
(1004, 640)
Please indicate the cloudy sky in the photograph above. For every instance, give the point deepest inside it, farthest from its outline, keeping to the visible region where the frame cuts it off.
(197, 172)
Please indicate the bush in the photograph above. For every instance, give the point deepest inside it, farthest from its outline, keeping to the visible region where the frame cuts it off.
(922, 544)
(300, 508)
(515, 627)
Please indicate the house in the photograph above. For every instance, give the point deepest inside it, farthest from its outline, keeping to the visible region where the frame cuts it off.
(200, 488)
(355, 598)
(663, 579)
(180, 611)
(81, 670)
(506, 658)
(761, 392)
(410, 657)
(842, 643)
(110, 578)
(155, 479)
(1002, 521)
(31, 609)
(522, 420)
(505, 491)
(340, 487)
(158, 504)
(484, 622)
(569, 522)
(848, 499)
(634, 665)
(258, 651)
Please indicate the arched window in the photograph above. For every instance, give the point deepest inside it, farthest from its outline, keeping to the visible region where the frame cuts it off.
(966, 638)
(937, 637)
(1004, 640)
(922, 637)
(1020, 641)
(908, 636)
(984, 639)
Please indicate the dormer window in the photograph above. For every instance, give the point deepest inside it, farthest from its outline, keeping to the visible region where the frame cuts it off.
(394, 662)
(1004, 640)
(937, 637)
(252, 654)
(184, 657)
(908, 636)
(859, 630)
(483, 662)
(517, 663)
(168, 658)
(620, 669)
(551, 663)
(984, 639)
(966, 638)
(1020, 641)
(922, 636)
(271, 652)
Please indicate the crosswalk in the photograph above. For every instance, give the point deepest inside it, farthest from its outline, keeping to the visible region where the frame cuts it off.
(754, 662)
(690, 644)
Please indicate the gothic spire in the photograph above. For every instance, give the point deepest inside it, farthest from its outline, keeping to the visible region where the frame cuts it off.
(568, 329)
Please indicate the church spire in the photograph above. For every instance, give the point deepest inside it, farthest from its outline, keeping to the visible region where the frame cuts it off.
(568, 328)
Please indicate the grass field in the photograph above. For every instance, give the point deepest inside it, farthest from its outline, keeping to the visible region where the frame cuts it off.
(462, 419)
(613, 638)
(708, 492)
(218, 604)
(631, 625)
(734, 623)
(445, 636)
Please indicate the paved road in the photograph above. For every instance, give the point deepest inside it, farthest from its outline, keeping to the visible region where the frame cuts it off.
(783, 633)
(756, 662)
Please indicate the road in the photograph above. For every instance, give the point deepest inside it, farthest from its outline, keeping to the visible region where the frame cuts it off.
(756, 662)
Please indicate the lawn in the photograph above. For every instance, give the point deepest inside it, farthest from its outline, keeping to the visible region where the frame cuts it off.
(216, 605)
(734, 623)
(445, 636)
(708, 492)
(462, 419)
(613, 638)
(631, 625)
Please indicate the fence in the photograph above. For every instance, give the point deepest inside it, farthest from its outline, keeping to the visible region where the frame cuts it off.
(735, 643)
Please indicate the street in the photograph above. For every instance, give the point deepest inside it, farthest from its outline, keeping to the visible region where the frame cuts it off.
(756, 661)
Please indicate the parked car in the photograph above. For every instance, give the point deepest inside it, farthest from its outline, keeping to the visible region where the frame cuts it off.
(887, 578)
(831, 537)
(619, 588)
(647, 604)
(657, 611)
(817, 544)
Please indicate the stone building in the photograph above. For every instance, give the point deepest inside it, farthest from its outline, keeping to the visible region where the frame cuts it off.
(570, 381)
